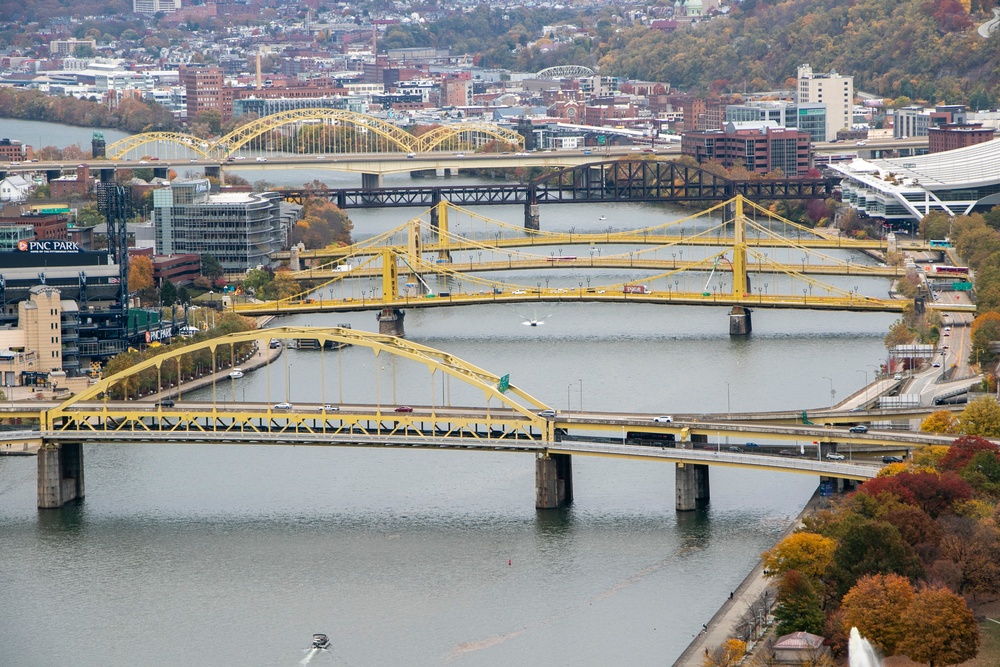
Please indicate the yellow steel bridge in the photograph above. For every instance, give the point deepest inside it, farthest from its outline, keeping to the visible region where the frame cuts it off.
(405, 261)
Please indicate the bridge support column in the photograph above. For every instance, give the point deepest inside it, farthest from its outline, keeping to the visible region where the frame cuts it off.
(60, 474)
(371, 181)
(423, 173)
(294, 263)
(52, 174)
(553, 481)
(531, 217)
(739, 321)
(161, 172)
(390, 322)
(691, 484)
(215, 172)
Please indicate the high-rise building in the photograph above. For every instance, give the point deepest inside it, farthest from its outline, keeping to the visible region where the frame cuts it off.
(151, 7)
(206, 90)
(831, 89)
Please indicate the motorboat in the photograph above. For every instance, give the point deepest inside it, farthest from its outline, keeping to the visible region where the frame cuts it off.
(236, 373)
(321, 641)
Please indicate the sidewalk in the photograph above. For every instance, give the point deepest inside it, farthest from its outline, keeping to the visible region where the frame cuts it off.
(720, 626)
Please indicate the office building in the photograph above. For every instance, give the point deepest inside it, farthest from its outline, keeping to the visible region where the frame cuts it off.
(759, 147)
(833, 90)
(239, 229)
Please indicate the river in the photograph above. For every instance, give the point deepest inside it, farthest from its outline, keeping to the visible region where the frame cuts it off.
(236, 555)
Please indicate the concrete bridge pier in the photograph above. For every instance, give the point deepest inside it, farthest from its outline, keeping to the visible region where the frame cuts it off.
(740, 323)
(691, 484)
(60, 474)
(213, 171)
(371, 181)
(162, 172)
(390, 322)
(553, 481)
(839, 485)
(423, 173)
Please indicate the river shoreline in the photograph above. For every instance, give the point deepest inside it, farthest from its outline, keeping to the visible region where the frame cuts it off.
(719, 628)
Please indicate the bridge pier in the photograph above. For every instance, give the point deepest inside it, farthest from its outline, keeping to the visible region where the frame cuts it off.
(390, 322)
(162, 172)
(691, 484)
(553, 481)
(52, 174)
(212, 171)
(423, 173)
(531, 217)
(60, 474)
(371, 181)
(739, 321)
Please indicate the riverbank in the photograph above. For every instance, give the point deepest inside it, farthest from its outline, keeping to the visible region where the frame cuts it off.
(722, 625)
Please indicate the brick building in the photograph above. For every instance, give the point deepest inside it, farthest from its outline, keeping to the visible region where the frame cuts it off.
(949, 136)
(206, 90)
(759, 147)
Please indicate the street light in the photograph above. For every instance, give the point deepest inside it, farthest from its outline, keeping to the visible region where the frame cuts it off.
(833, 392)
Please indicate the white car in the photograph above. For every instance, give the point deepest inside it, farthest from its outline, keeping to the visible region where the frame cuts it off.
(834, 456)
(284, 405)
(330, 408)
(262, 159)
(665, 419)
(320, 157)
(521, 154)
(519, 291)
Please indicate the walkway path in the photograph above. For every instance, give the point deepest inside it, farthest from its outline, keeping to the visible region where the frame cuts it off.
(721, 626)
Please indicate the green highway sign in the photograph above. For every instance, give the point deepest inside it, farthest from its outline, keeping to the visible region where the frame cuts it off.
(504, 384)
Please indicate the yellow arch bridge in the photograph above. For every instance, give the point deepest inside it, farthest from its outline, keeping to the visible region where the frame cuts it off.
(402, 264)
(145, 404)
(317, 131)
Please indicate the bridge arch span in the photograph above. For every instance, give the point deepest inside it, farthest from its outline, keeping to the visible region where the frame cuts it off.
(435, 360)
(461, 136)
(563, 71)
(173, 145)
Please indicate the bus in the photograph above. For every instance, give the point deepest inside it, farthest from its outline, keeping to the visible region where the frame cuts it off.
(940, 243)
(949, 271)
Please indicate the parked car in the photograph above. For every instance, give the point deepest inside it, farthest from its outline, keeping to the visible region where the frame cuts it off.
(859, 428)
(404, 408)
(664, 419)
(891, 459)
(834, 456)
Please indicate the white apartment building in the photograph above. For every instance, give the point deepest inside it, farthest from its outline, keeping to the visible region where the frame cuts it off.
(831, 89)
(152, 6)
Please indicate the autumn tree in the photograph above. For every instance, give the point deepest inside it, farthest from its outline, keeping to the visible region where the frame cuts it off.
(981, 417)
(875, 606)
(728, 655)
(808, 553)
(970, 548)
(798, 607)
(899, 334)
(940, 629)
(964, 449)
(941, 421)
(140, 274)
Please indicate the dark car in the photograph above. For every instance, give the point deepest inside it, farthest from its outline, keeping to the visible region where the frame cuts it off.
(891, 459)
(860, 428)
(404, 408)
(734, 448)
(751, 445)
(165, 403)
(788, 452)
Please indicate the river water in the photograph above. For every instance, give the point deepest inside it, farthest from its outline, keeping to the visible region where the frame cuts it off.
(236, 555)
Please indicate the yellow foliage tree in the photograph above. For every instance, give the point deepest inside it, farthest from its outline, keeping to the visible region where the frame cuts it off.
(981, 417)
(941, 421)
(893, 469)
(928, 457)
(875, 606)
(728, 655)
(809, 553)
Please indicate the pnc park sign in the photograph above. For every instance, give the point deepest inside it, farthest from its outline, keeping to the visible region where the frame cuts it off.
(50, 245)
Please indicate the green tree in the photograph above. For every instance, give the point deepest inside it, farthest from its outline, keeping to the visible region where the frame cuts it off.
(872, 547)
(875, 606)
(256, 279)
(210, 268)
(798, 606)
(940, 629)
(168, 293)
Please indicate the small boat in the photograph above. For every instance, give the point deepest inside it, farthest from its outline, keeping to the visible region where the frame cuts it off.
(602, 218)
(320, 641)
(236, 373)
